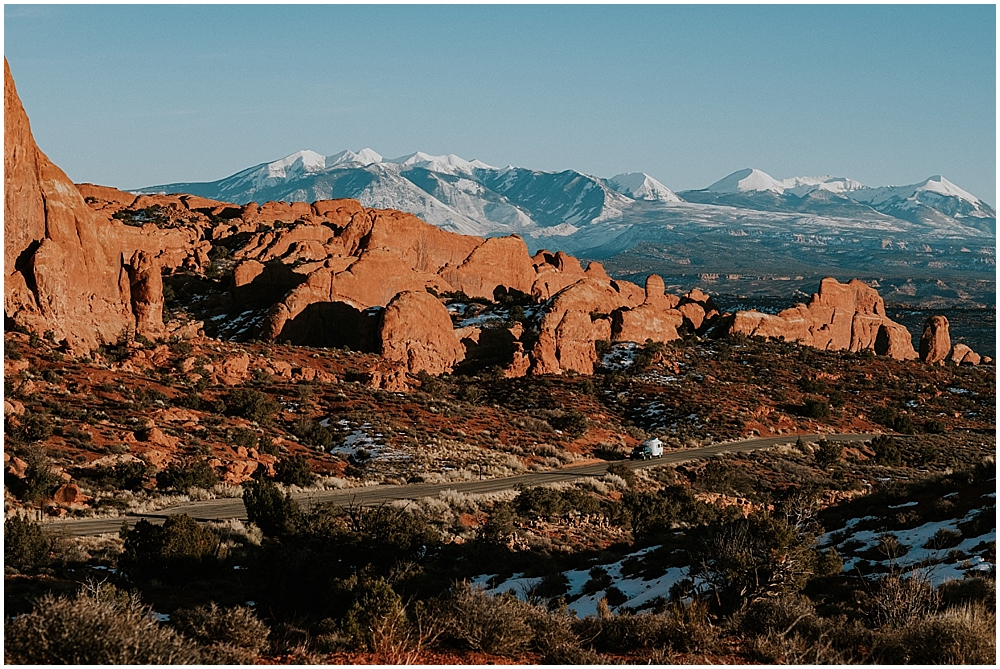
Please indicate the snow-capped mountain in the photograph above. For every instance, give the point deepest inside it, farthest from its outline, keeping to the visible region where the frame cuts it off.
(747, 181)
(935, 201)
(641, 186)
(802, 186)
(597, 217)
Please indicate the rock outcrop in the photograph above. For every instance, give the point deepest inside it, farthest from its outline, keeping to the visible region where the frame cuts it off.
(839, 317)
(498, 261)
(64, 271)
(69, 271)
(961, 354)
(416, 331)
(935, 342)
(575, 318)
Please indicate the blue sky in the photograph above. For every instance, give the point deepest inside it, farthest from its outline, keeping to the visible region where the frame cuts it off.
(131, 96)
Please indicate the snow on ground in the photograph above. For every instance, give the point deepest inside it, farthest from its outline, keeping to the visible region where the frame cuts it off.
(940, 564)
(363, 442)
(638, 591)
(621, 356)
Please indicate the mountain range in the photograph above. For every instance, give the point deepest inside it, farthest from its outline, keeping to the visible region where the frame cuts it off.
(599, 217)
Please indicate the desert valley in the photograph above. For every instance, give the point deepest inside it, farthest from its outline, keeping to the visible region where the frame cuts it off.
(342, 409)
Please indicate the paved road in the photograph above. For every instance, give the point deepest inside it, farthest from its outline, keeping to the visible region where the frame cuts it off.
(222, 509)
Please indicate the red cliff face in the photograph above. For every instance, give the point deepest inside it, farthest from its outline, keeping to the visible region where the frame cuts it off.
(67, 270)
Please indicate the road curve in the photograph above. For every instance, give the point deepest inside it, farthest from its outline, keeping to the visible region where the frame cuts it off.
(223, 509)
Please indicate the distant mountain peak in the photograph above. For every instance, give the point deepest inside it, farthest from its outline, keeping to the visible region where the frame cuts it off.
(938, 184)
(745, 181)
(310, 161)
(641, 186)
(363, 157)
(448, 163)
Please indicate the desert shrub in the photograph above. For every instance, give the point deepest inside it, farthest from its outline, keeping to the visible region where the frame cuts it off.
(836, 399)
(969, 590)
(128, 475)
(552, 585)
(380, 538)
(571, 421)
(889, 546)
(313, 434)
(681, 626)
(897, 601)
(648, 353)
(180, 347)
(237, 626)
(499, 526)
(377, 619)
(555, 640)
(944, 538)
(963, 635)
(88, 630)
(539, 502)
(269, 509)
(886, 450)
(892, 419)
(829, 563)
(624, 471)
(196, 474)
(179, 550)
(40, 478)
(652, 513)
(599, 580)
(828, 452)
(144, 397)
(478, 621)
(543, 502)
(935, 426)
(191, 400)
(250, 404)
(809, 385)
(25, 544)
(753, 558)
(28, 428)
(266, 445)
(241, 436)
(294, 470)
(814, 408)
(776, 615)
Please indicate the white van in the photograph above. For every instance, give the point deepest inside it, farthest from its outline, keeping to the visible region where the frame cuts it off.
(651, 448)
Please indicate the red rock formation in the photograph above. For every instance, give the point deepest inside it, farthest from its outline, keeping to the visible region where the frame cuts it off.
(840, 316)
(961, 354)
(146, 289)
(499, 261)
(935, 342)
(64, 266)
(371, 280)
(576, 317)
(422, 246)
(416, 331)
(105, 195)
(280, 243)
(647, 321)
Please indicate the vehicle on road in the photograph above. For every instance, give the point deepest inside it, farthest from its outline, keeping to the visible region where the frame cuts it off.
(651, 448)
